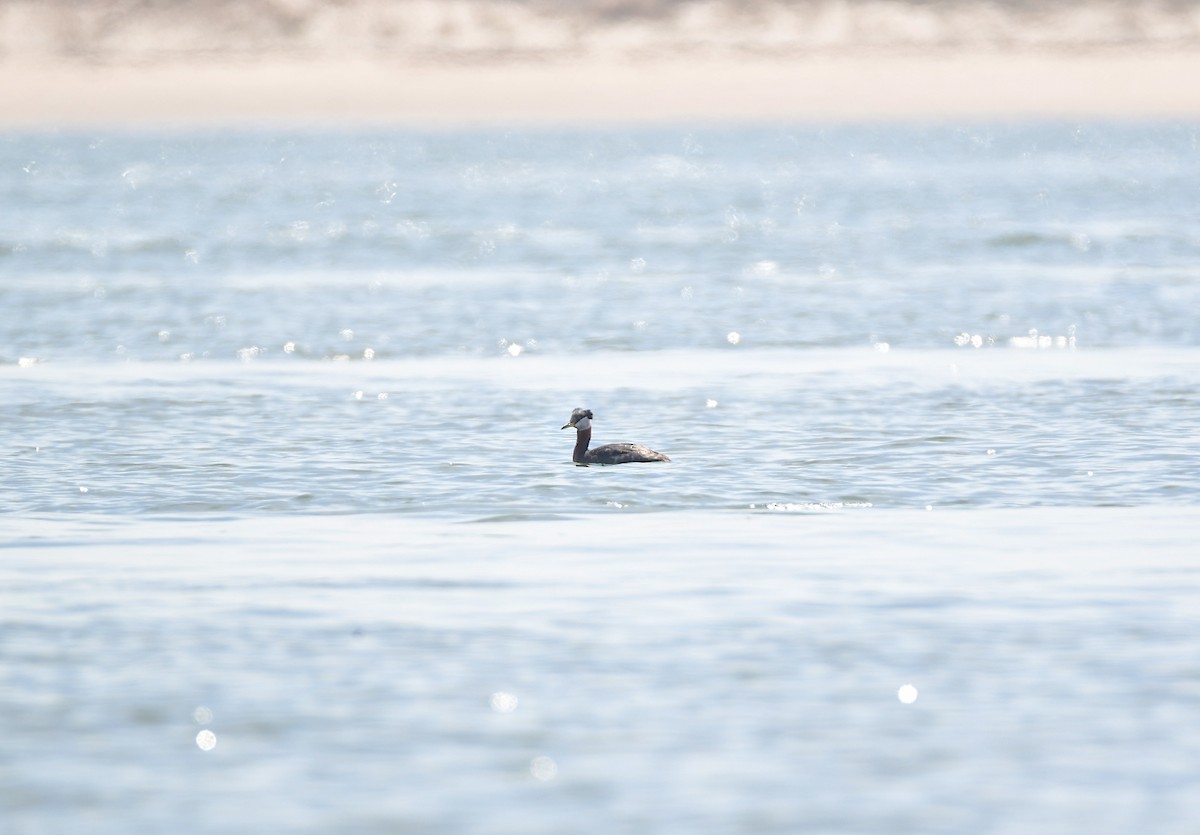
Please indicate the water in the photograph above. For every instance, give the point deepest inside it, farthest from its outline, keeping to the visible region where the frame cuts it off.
(282, 463)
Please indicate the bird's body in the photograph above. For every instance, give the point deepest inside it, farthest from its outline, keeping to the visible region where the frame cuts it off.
(581, 422)
(620, 454)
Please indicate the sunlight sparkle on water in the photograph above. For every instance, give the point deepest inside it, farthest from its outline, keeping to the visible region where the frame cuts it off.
(543, 768)
(809, 507)
(1042, 341)
(974, 340)
(503, 702)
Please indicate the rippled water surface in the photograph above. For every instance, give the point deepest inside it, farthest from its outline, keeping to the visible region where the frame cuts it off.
(293, 540)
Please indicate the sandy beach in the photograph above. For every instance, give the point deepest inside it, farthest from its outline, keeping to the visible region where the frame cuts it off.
(825, 88)
(418, 63)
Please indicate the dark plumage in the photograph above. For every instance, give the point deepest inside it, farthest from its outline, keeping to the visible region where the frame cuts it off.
(581, 422)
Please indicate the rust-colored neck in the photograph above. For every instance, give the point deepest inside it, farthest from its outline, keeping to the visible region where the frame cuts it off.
(583, 437)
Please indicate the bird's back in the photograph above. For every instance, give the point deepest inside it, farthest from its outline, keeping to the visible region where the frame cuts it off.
(622, 454)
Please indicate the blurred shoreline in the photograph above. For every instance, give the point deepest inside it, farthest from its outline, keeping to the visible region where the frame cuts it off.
(516, 62)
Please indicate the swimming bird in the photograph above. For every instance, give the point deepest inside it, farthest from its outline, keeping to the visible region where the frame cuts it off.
(581, 422)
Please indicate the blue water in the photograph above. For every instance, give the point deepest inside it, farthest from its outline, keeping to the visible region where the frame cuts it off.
(282, 463)
(450, 243)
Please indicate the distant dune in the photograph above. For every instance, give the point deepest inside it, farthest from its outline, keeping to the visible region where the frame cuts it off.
(475, 30)
(437, 62)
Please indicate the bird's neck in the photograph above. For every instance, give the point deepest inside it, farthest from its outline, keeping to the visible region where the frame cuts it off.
(583, 437)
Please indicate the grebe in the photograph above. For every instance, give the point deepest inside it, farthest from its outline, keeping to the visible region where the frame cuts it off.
(581, 422)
